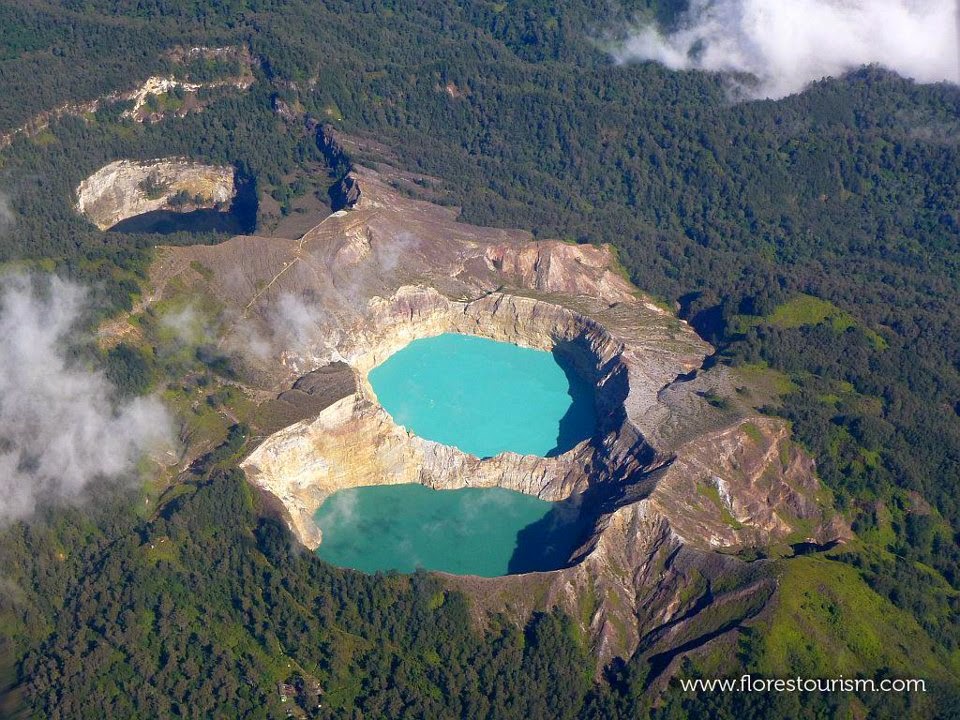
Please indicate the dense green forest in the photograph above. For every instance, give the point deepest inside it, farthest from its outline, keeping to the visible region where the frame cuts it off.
(815, 237)
(202, 609)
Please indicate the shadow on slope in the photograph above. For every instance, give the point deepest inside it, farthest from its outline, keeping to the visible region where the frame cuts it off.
(580, 421)
(240, 219)
(549, 543)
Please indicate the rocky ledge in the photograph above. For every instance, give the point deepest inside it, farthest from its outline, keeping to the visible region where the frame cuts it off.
(127, 188)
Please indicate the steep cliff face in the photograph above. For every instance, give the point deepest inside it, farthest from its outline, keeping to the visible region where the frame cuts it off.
(126, 188)
(669, 487)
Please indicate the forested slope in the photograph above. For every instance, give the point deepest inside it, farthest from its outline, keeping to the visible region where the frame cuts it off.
(813, 240)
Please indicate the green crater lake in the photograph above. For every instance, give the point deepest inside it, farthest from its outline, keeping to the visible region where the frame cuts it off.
(473, 531)
(486, 397)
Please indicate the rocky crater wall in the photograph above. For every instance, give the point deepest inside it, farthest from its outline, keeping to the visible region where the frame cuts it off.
(127, 188)
(673, 486)
(355, 442)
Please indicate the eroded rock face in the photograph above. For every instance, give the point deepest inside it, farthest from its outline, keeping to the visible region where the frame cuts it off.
(126, 188)
(355, 442)
(671, 486)
(153, 86)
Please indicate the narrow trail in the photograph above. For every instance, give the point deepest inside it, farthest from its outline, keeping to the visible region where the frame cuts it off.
(296, 258)
(261, 291)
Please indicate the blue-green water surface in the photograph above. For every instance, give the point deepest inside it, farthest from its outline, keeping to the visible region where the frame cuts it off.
(473, 531)
(485, 397)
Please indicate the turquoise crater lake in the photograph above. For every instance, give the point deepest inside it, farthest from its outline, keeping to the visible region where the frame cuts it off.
(473, 531)
(486, 397)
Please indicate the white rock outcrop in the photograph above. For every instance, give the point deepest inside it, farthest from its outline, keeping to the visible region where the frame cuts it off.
(127, 188)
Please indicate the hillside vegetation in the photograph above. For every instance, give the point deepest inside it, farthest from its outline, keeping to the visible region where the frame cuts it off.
(813, 238)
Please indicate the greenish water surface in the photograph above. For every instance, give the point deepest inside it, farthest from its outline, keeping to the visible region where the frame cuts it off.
(472, 531)
(485, 397)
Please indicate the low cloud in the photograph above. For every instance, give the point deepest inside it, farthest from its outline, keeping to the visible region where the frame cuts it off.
(7, 216)
(296, 324)
(787, 44)
(290, 327)
(389, 254)
(308, 325)
(340, 509)
(59, 428)
(186, 325)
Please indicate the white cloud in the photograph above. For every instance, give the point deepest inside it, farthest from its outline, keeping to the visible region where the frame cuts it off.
(186, 324)
(7, 216)
(295, 323)
(59, 429)
(787, 44)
